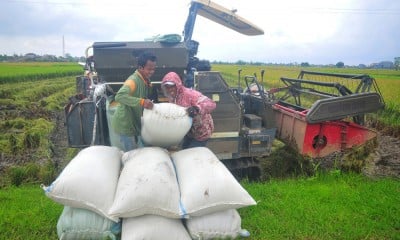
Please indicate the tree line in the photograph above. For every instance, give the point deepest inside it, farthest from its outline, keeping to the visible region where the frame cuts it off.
(32, 57)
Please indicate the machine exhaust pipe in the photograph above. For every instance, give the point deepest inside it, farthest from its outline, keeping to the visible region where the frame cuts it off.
(239, 71)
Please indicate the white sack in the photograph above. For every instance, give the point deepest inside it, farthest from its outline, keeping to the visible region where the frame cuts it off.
(89, 180)
(153, 227)
(147, 185)
(82, 224)
(205, 183)
(219, 225)
(165, 125)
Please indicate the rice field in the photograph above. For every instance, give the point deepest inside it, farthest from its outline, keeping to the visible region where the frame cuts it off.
(30, 93)
(31, 71)
(26, 106)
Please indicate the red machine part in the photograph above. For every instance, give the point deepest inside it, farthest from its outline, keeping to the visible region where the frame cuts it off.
(318, 139)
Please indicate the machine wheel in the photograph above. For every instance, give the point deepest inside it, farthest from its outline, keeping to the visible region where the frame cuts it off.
(244, 168)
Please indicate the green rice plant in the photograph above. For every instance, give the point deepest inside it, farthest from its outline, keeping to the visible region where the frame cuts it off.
(37, 93)
(6, 102)
(56, 101)
(24, 134)
(284, 162)
(15, 144)
(5, 93)
(30, 173)
(47, 173)
(16, 175)
(387, 120)
(42, 90)
(21, 72)
(32, 139)
(14, 89)
(37, 137)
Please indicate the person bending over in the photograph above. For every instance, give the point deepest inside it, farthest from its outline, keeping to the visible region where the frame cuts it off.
(198, 106)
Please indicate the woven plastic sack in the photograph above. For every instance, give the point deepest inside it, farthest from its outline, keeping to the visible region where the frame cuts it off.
(206, 185)
(89, 180)
(219, 225)
(110, 110)
(82, 224)
(165, 125)
(147, 185)
(153, 227)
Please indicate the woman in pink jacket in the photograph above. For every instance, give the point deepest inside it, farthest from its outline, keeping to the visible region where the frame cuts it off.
(197, 105)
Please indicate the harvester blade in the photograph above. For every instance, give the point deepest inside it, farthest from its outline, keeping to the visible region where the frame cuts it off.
(336, 108)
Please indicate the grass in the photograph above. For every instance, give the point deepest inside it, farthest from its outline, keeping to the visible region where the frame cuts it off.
(26, 213)
(330, 206)
(327, 206)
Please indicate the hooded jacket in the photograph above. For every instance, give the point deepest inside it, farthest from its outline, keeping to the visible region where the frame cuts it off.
(203, 124)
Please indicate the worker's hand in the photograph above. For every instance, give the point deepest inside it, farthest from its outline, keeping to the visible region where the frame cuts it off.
(192, 111)
(148, 104)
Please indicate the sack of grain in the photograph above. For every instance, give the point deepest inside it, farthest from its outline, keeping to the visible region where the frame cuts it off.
(165, 125)
(205, 183)
(111, 106)
(147, 185)
(219, 225)
(89, 180)
(153, 227)
(81, 224)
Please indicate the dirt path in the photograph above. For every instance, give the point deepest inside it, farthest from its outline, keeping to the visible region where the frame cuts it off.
(385, 161)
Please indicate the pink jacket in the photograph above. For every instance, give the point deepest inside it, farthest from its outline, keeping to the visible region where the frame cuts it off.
(203, 124)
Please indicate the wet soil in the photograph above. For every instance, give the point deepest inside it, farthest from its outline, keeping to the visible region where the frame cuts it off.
(385, 160)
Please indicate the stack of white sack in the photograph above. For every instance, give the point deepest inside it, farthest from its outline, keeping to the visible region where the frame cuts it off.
(151, 195)
(165, 125)
(154, 193)
(86, 187)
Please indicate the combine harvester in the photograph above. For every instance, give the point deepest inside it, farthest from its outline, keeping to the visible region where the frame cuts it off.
(246, 120)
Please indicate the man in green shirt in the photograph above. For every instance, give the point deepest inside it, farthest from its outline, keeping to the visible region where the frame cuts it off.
(130, 99)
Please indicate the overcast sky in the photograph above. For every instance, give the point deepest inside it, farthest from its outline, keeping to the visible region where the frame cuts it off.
(313, 31)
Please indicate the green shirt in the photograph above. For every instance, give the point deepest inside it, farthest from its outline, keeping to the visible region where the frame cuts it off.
(127, 116)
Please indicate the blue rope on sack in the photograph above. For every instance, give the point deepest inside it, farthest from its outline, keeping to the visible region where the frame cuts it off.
(182, 208)
(47, 189)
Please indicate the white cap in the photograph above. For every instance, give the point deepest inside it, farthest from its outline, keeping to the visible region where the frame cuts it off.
(169, 83)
